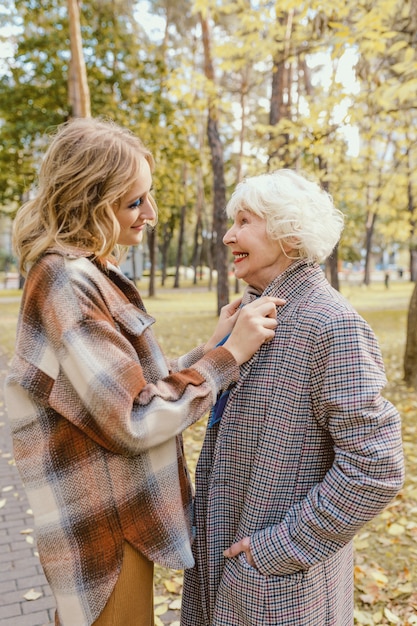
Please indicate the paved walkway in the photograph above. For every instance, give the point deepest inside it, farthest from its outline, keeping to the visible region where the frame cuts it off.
(21, 575)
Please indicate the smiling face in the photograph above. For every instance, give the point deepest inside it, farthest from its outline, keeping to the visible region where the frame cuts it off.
(258, 259)
(136, 208)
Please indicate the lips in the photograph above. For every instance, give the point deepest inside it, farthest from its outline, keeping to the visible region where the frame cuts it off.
(239, 256)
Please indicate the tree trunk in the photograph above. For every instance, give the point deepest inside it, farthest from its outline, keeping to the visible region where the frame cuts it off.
(332, 262)
(197, 248)
(180, 247)
(368, 247)
(280, 102)
(152, 259)
(332, 268)
(410, 356)
(166, 239)
(219, 185)
(413, 246)
(413, 265)
(78, 91)
(181, 233)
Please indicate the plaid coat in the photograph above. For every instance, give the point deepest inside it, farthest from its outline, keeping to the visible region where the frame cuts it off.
(96, 414)
(306, 452)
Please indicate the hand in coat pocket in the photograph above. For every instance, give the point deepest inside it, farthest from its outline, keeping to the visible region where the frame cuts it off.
(241, 546)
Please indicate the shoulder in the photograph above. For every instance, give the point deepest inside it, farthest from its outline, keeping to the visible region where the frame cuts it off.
(317, 303)
(63, 288)
(59, 270)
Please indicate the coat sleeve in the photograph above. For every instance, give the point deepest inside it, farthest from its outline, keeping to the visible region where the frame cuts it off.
(100, 367)
(347, 377)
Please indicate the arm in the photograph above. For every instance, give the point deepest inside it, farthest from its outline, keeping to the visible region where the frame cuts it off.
(126, 400)
(110, 378)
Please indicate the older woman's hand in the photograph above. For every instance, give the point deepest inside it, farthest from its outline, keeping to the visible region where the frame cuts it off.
(241, 546)
(255, 325)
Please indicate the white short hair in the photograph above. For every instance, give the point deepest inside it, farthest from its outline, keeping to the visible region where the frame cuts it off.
(298, 212)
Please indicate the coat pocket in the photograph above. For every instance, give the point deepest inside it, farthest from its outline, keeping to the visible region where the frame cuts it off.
(248, 598)
(241, 595)
(132, 320)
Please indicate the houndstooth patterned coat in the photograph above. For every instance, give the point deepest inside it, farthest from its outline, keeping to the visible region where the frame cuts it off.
(306, 452)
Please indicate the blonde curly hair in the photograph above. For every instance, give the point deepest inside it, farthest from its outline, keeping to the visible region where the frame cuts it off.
(89, 165)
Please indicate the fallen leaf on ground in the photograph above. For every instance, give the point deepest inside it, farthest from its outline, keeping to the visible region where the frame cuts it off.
(33, 595)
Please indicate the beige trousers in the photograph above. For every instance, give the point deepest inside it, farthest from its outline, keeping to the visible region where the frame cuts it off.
(131, 603)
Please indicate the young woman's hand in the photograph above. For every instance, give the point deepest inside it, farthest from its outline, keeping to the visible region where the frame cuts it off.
(227, 319)
(255, 325)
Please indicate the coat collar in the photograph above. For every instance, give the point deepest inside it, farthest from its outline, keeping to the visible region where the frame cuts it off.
(294, 281)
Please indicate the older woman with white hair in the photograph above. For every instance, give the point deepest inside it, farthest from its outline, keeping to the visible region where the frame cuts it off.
(305, 449)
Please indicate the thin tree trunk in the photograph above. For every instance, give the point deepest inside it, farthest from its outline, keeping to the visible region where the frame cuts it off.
(413, 265)
(78, 91)
(413, 245)
(152, 239)
(166, 238)
(332, 262)
(219, 186)
(180, 247)
(181, 229)
(332, 268)
(410, 356)
(370, 224)
(280, 96)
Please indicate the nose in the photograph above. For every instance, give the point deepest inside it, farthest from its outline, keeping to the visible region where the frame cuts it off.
(229, 237)
(149, 210)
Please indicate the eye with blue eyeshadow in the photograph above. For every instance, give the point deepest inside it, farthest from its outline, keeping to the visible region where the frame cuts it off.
(136, 203)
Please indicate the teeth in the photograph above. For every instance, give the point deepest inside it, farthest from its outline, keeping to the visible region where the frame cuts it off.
(242, 255)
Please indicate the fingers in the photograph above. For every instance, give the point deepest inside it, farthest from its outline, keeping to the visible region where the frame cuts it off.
(236, 548)
(240, 546)
(229, 310)
(255, 325)
(268, 304)
(236, 303)
(265, 306)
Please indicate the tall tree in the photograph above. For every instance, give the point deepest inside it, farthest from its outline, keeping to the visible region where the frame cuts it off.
(219, 185)
(410, 355)
(181, 229)
(78, 91)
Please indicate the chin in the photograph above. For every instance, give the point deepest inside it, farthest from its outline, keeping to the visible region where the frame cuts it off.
(131, 241)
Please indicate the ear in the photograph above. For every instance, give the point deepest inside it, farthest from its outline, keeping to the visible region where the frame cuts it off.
(289, 244)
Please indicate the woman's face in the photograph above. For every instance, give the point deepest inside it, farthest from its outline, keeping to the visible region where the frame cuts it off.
(258, 259)
(135, 208)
